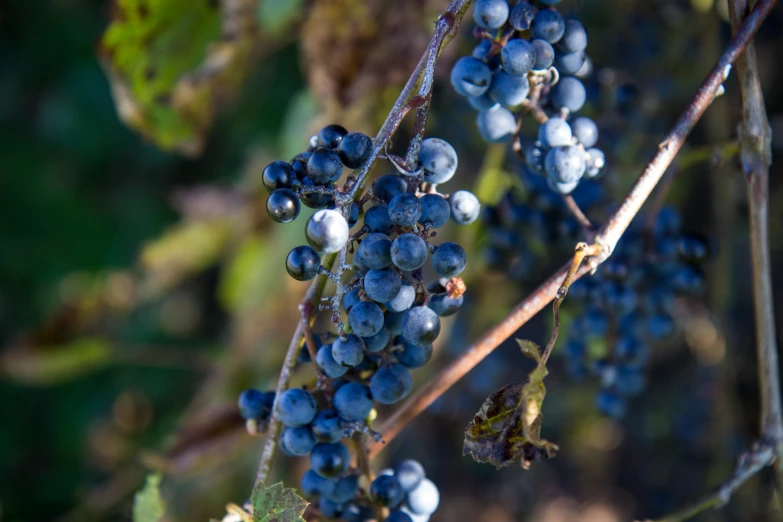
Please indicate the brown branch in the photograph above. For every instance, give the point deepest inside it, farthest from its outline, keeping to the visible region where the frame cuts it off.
(755, 139)
(607, 239)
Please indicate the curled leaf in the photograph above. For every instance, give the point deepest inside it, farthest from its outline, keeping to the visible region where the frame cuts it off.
(507, 428)
(276, 503)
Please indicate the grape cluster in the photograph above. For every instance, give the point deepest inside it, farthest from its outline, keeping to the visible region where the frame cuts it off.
(384, 315)
(532, 56)
(628, 305)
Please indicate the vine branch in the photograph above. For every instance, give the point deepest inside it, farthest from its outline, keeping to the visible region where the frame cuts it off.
(416, 94)
(607, 237)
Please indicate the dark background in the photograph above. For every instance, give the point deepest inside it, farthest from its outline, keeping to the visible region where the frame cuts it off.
(141, 290)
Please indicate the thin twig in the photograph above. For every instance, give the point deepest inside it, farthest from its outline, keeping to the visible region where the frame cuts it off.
(607, 238)
(580, 217)
(582, 251)
(309, 303)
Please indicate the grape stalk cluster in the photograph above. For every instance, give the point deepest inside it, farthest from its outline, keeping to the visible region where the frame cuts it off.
(385, 318)
(530, 59)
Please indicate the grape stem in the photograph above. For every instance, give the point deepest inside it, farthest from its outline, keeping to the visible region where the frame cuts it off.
(416, 94)
(606, 238)
(309, 304)
(756, 155)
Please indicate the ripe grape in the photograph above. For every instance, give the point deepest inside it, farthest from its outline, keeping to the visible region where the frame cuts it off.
(496, 125)
(278, 174)
(324, 167)
(434, 210)
(548, 25)
(315, 486)
(303, 263)
(366, 319)
(449, 260)
(327, 364)
(438, 159)
(330, 136)
(349, 350)
(464, 207)
(391, 383)
(353, 401)
(299, 441)
(424, 498)
(569, 93)
(586, 131)
(565, 164)
(386, 491)
(296, 407)
(404, 209)
(518, 57)
(420, 325)
(490, 14)
(282, 205)
(509, 90)
(470, 76)
(382, 285)
(330, 460)
(409, 252)
(354, 149)
(556, 132)
(522, 16)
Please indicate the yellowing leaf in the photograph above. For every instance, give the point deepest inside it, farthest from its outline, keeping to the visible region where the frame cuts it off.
(148, 506)
(169, 61)
(277, 504)
(507, 428)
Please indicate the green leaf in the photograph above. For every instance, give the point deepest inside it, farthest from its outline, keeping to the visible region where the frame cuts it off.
(277, 504)
(507, 428)
(147, 505)
(168, 61)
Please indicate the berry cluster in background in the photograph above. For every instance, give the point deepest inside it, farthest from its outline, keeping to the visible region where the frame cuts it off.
(385, 317)
(530, 60)
(623, 310)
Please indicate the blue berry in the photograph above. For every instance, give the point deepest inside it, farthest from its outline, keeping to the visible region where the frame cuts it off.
(315, 199)
(482, 103)
(409, 252)
(278, 174)
(391, 383)
(410, 474)
(438, 159)
(315, 486)
(434, 210)
(490, 14)
(327, 231)
(382, 285)
(586, 131)
(404, 299)
(379, 341)
(556, 132)
(595, 161)
(565, 164)
(496, 125)
(377, 219)
(424, 498)
(282, 205)
(345, 489)
(574, 37)
(518, 57)
(327, 426)
(330, 136)
(522, 16)
(470, 77)
(413, 356)
(465, 207)
(388, 186)
(354, 149)
(569, 63)
(299, 441)
(385, 491)
(569, 93)
(375, 251)
(548, 25)
(324, 167)
(610, 404)
(545, 54)
(445, 305)
(392, 321)
(404, 209)
(449, 260)
(509, 90)
(398, 516)
(330, 460)
(353, 401)
(420, 325)
(303, 263)
(296, 407)
(255, 405)
(348, 351)
(330, 509)
(562, 188)
(350, 299)
(366, 319)
(327, 364)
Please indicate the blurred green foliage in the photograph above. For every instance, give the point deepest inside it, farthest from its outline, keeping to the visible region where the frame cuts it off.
(141, 290)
